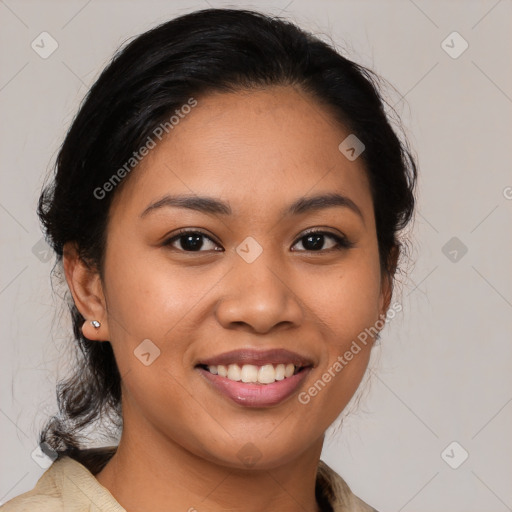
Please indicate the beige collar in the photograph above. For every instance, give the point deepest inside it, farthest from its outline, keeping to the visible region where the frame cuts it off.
(74, 480)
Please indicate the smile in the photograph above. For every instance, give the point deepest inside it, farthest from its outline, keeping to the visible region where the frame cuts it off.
(255, 378)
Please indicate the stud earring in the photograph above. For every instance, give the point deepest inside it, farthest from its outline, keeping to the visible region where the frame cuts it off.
(95, 324)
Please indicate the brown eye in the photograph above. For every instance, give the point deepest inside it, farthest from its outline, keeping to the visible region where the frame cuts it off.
(316, 241)
(192, 241)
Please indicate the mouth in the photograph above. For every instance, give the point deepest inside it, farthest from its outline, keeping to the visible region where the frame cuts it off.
(256, 378)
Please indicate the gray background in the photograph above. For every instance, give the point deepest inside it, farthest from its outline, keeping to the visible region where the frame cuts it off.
(442, 370)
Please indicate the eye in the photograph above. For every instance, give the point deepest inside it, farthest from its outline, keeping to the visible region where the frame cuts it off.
(192, 241)
(317, 241)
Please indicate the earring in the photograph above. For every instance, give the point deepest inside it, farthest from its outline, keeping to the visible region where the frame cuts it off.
(95, 324)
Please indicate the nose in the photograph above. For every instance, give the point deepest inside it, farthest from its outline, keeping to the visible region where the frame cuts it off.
(258, 297)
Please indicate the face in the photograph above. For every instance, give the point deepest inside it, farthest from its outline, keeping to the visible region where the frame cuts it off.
(251, 276)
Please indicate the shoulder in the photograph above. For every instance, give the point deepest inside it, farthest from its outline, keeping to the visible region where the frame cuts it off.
(44, 497)
(33, 502)
(66, 486)
(338, 493)
(25, 503)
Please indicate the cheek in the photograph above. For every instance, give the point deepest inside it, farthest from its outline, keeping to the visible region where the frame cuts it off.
(347, 307)
(346, 300)
(149, 296)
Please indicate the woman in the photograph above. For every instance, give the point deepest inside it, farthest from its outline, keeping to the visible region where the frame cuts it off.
(226, 207)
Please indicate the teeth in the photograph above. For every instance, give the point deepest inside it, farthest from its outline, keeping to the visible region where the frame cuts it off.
(234, 372)
(266, 374)
(289, 369)
(249, 373)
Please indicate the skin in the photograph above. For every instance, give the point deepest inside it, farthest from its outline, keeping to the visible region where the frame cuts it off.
(258, 151)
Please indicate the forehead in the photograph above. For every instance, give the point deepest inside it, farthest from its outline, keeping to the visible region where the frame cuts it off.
(257, 149)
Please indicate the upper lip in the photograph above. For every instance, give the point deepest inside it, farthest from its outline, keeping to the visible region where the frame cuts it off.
(257, 358)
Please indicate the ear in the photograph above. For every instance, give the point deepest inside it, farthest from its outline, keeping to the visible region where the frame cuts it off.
(387, 281)
(84, 282)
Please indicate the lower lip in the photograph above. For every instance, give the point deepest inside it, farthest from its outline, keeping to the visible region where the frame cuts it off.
(256, 395)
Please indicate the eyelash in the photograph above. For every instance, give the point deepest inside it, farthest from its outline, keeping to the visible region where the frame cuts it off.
(342, 242)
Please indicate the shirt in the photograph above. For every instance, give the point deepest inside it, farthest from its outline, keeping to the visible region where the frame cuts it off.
(70, 486)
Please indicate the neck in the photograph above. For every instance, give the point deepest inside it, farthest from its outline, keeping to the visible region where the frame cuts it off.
(148, 476)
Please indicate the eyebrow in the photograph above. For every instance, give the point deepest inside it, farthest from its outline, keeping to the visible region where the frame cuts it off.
(214, 206)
